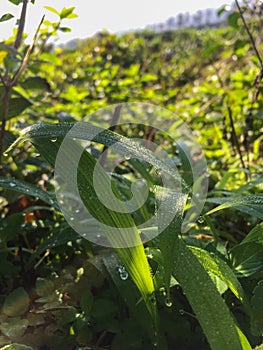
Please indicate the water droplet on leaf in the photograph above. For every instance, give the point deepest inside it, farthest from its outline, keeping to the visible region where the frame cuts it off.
(54, 139)
(168, 302)
(158, 172)
(12, 184)
(123, 273)
(201, 220)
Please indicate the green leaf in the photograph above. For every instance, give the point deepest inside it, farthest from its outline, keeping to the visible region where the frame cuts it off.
(247, 258)
(10, 49)
(210, 309)
(128, 292)
(9, 138)
(103, 308)
(257, 310)
(64, 29)
(255, 235)
(219, 268)
(6, 17)
(44, 287)
(14, 325)
(16, 303)
(60, 236)
(11, 226)
(16, 346)
(233, 20)
(52, 9)
(15, 2)
(133, 258)
(67, 12)
(86, 132)
(166, 239)
(28, 189)
(86, 302)
(17, 105)
(36, 83)
(252, 205)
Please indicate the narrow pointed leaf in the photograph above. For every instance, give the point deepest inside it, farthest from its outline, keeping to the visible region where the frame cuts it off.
(218, 267)
(249, 204)
(28, 189)
(133, 258)
(210, 309)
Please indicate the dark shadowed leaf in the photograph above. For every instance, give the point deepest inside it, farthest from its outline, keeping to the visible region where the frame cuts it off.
(16, 303)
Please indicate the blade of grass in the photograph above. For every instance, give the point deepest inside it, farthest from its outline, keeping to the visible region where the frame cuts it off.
(133, 258)
(212, 313)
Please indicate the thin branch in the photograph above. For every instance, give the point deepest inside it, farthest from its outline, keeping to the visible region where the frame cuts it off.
(10, 83)
(21, 25)
(235, 138)
(5, 110)
(249, 34)
(256, 84)
(2, 80)
(27, 55)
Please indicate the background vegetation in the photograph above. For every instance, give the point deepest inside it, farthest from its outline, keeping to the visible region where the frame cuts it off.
(60, 291)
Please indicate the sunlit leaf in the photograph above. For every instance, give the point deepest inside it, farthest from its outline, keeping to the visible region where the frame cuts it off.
(210, 309)
(252, 204)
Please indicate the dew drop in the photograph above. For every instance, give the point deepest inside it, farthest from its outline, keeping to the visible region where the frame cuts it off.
(207, 174)
(201, 220)
(152, 299)
(12, 184)
(123, 273)
(127, 157)
(168, 302)
(158, 172)
(177, 151)
(121, 269)
(77, 211)
(54, 139)
(181, 312)
(179, 164)
(124, 276)
(197, 195)
(71, 219)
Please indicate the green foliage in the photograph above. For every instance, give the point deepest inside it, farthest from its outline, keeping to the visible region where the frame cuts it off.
(60, 291)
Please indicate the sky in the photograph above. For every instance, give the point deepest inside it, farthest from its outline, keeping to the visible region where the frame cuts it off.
(113, 15)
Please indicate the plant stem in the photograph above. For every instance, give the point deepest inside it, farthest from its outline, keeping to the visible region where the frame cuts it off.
(234, 135)
(249, 34)
(6, 99)
(257, 81)
(21, 25)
